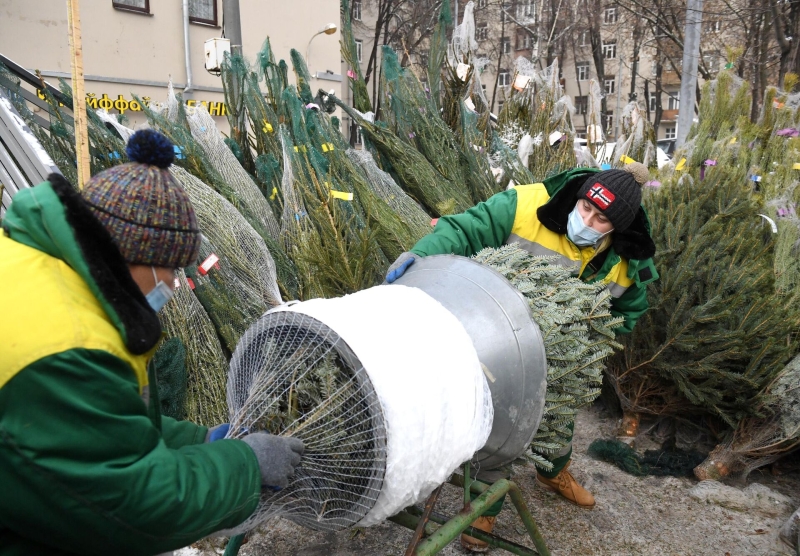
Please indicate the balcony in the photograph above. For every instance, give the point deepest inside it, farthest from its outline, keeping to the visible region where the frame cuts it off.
(669, 115)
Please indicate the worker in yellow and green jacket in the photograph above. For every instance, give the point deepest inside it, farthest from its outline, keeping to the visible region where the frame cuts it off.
(593, 222)
(87, 464)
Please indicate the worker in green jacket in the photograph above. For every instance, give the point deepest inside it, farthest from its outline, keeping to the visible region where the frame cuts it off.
(593, 222)
(87, 464)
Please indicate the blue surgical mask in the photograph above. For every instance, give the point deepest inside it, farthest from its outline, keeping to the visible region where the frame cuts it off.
(160, 295)
(581, 234)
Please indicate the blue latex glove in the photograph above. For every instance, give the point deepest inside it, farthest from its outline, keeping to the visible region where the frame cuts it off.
(218, 432)
(399, 267)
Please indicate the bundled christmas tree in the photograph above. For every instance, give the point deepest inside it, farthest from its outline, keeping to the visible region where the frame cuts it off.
(578, 334)
(206, 366)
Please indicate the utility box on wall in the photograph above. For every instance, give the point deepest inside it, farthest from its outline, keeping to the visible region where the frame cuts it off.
(215, 50)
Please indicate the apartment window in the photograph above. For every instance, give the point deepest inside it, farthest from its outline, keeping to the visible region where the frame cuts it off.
(505, 45)
(609, 85)
(674, 102)
(713, 26)
(523, 39)
(670, 132)
(356, 10)
(203, 12)
(610, 49)
(525, 9)
(423, 58)
(483, 88)
(481, 3)
(584, 38)
(358, 49)
(610, 15)
(582, 69)
(482, 32)
(500, 104)
(504, 78)
(581, 105)
(141, 6)
(580, 133)
(653, 101)
(608, 121)
(359, 138)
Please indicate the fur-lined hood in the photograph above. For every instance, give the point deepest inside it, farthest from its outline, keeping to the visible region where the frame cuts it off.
(53, 218)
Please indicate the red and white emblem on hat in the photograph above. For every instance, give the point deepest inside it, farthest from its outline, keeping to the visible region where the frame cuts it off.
(600, 195)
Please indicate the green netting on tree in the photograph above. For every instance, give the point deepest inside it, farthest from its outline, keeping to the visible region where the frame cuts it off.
(232, 304)
(234, 75)
(438, 54)
(274, 75)
(416, 120)
(168, 365)
(206, 365)
(361, 99)
(577, 329)
(418, 177)
(233, 238)
(716, 332)
(302, 77)
(665, 462)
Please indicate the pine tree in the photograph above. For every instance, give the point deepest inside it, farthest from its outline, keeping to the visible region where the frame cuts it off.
(575, 320)
(716, 332)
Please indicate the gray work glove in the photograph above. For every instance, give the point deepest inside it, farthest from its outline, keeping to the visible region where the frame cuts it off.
(398, 267)
(277, 457)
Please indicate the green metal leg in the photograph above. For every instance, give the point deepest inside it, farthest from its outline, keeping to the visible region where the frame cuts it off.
(234, 544)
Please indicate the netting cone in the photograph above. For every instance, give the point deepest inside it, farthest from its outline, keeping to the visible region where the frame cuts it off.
(291, 375)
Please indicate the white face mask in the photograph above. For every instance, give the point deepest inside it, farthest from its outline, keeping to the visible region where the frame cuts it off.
(581, 234)
(160, 295)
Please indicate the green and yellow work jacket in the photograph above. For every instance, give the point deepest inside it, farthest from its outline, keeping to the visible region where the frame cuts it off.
(535, 217)
(87, 466)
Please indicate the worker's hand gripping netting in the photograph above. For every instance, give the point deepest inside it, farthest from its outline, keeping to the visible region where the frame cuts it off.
(293, 376)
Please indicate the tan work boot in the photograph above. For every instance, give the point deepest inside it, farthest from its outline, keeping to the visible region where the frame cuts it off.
(485, 524)
(566, 485)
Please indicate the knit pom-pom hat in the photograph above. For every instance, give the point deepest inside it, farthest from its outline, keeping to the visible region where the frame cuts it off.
(617, 193)
(146, 211)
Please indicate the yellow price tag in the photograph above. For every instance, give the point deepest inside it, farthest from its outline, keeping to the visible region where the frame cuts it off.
(324, 147)
(299, 149)
(274, 194)
(796, 166)
(267, 127)
(732, 141)
(343, 195)
(626, 159)
(680, 164)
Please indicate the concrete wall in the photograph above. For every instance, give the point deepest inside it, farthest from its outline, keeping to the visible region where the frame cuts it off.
(129, 53)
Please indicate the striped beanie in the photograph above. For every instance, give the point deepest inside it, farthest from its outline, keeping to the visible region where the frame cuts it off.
(146, 211)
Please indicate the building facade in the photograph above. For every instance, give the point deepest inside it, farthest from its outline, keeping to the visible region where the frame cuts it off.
(135, 47)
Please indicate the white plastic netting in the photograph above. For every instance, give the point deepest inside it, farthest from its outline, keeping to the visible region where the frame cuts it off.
(205, 132)
(463, 44)
(233, 237)
(383, 425)
(206, 367)
(392, 194)
(294, 215)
